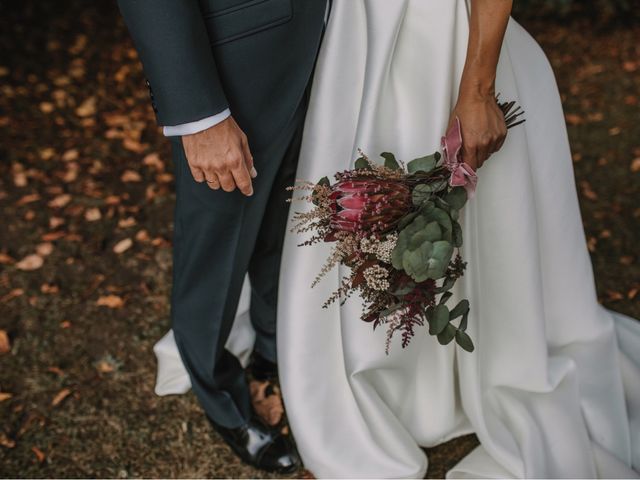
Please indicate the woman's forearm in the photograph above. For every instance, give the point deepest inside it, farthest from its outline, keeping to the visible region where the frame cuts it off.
(487, 27)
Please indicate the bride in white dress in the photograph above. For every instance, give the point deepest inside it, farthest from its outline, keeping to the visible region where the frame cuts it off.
(553, 387)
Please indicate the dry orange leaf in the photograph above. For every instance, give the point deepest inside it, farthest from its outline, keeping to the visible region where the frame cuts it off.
(30, 262)
(5, 259)
(60, 201)
(16, 292)
(60, 396)
(123, 245)
(130, 176)
(5, 396)
(56, 370)
(127, 222)
(110, 301)
(142, 236)
(587, 191)
(5, 344)
(46, 107)
(614, 296)
(70, 155)
(55, 222)
(133, 145)
(635, 165)
(573, 119)
(87, 108)
(153, 160)
(39, 454)
(268, 406)
(92, 215)
(49, 237)
(32, 197)
(47, 153)
(44, 249)
(20, 179)
(104, 367)
(6, 441)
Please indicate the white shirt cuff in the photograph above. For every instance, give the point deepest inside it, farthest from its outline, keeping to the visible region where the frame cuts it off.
(197, 126)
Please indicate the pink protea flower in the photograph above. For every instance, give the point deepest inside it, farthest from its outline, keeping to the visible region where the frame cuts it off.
(368, 204)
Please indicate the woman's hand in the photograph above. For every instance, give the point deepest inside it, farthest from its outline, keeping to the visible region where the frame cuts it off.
(482, 121)
(483, 126)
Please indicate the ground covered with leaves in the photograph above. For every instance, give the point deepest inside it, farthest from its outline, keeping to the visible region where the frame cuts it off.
(86, 196)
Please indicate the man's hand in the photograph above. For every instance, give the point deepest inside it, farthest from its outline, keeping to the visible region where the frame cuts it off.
(220, 156)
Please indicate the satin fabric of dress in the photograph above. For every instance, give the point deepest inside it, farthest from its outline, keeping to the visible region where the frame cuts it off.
(545, 389)
(553, 388)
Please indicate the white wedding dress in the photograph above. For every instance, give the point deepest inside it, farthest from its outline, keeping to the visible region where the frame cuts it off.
(553, 387)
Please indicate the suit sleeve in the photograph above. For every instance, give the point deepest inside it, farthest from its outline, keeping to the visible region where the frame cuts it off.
(173, 45)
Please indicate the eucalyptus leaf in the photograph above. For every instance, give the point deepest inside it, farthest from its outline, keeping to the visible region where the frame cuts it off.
(407, 219)
(324, 181)
(447, 334)
(390, 161)
(460, 309)
(457, 234)
(442, 250)
(464, 341)
(445, 296)
(463, 322)
(423, 164)
(446, 285)
(362, 164)
(457, 197)
(420, 194)
(439, 320)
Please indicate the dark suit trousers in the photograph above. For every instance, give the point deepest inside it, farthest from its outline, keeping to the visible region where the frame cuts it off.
(218, 238)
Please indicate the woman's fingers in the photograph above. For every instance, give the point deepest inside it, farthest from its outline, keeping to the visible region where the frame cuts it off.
(469, 156)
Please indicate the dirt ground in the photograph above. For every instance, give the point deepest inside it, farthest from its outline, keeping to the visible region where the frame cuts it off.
(86, 199)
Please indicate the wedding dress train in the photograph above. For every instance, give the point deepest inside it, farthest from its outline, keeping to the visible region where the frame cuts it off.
(553, 387)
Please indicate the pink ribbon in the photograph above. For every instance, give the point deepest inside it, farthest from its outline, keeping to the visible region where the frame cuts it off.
(462, 174)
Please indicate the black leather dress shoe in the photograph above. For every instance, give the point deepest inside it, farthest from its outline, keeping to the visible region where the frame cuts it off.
(260, 446)
(262, 369)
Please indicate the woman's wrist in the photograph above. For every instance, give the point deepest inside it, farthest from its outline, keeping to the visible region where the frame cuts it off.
(478, 79)
(479, 87)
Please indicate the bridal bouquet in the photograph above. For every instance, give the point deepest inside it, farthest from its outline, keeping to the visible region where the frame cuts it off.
(396, 227)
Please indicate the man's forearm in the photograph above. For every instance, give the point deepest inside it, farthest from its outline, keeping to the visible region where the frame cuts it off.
(173, 44)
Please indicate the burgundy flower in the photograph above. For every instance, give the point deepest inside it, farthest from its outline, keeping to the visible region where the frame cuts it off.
(368, 205)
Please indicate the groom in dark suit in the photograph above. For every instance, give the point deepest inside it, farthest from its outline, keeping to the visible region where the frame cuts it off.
(229, 84)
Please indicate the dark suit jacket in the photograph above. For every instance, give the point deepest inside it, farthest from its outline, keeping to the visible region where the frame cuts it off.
(202, 56)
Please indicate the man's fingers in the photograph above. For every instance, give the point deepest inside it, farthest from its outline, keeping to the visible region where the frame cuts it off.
(243, 179)
(248, 158)
(212, 181)
(226, 182)
(197, 173)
